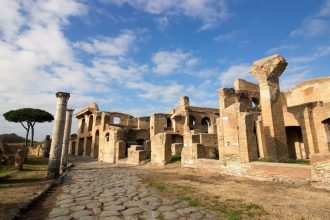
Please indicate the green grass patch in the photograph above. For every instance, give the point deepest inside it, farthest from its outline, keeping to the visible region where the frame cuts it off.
(34, 169)
(160, 217)
(175, 158)
(231, 209)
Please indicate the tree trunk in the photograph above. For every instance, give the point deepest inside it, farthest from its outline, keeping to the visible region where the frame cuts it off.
(27, 132)
(32, 133)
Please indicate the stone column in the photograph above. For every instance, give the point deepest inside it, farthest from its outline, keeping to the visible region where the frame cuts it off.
(66, 139)
(57, 137)
(46, 146)
(267, 71)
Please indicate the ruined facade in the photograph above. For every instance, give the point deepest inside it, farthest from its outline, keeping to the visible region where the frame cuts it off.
(109, 136)
(254, 122)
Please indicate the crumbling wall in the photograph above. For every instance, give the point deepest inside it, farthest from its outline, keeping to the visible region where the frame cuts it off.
(320, 175)
(161, 149)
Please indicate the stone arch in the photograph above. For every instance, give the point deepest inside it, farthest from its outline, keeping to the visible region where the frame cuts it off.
(192, 121)
(206, 121)
(90, 123)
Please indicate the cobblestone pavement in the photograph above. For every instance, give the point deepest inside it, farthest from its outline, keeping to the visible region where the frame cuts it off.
(95, 190)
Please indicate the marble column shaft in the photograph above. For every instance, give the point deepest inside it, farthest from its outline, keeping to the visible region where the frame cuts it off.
(57, 137)
(66, 139)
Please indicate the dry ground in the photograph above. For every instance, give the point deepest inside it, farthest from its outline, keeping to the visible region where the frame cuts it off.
(238, 198)
(18, 186)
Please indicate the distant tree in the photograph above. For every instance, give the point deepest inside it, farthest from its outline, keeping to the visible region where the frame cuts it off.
(28, 117)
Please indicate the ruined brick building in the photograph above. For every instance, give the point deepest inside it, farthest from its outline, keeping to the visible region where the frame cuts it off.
(253, 122)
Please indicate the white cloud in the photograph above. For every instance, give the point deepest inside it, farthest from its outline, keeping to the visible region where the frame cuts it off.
(109, 46)
(315, 25)
(234, 72)
(167, 62)
(10, 17)
(227, 37)
(163, 93)
(281, 48)
(210, 12)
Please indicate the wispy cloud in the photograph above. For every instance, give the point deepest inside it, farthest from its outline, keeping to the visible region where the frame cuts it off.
(227, 37)
(281, 48)
(234, 72)
(315, 25)
(167, 62)
(109, 46)
(210, 12)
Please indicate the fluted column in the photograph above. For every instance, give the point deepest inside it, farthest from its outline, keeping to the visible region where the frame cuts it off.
(57, 137)
(66, 139)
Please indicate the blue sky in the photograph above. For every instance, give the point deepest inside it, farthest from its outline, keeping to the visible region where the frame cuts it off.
(140, 56)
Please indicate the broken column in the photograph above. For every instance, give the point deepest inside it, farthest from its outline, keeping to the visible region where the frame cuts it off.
(267, 71)
(46, 146)
(57, 137)
(66, 139)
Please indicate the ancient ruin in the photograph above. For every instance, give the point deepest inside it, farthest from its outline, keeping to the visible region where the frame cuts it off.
(254, 122)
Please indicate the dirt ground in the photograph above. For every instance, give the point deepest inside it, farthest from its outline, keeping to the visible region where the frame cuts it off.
(238, 198)
(11, 197)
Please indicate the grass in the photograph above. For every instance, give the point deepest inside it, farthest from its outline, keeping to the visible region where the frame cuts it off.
(298, 161)
(231, 209)
(176, 158)
(34, 169)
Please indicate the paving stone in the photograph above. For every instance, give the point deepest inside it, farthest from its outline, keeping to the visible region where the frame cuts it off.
(114, 208)
(195, 216)
(58, 212)
(180, 205)
(95, 204)
(65, 201)
(61, 218)
(109, 213)
(132, 211)
(165, 208)
(80, 214)
(110, 218)
(170, 215)
(77, 208)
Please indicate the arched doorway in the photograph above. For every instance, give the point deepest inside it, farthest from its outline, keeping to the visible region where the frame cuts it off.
(192, 122)
(206, 122)
(90, 123)
(326, 124)
(96, 144)
(82, 126)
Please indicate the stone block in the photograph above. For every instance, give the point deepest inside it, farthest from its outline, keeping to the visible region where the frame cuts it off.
(136, 154)
(161, 148)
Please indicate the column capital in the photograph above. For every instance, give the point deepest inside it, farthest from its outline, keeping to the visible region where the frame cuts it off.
(269, 68)
(63, 95)
(70, 110)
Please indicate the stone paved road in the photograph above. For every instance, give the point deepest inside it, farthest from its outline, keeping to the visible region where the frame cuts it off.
(95, 190)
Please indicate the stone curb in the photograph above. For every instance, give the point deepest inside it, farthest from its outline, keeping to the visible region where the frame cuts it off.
(24, 207)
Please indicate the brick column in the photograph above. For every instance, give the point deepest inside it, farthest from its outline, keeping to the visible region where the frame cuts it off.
(57, 137)
(267, 71)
